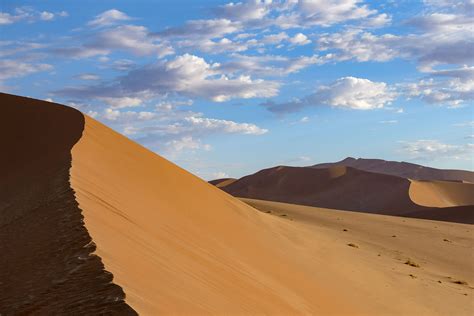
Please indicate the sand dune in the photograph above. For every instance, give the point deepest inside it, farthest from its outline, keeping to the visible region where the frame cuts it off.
(441, 193)
(336, 187)
(346, 188)
(402, 169)
(220, 183)
(93, 223)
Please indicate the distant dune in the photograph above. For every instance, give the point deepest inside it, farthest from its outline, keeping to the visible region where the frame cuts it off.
(222, 182)
(347, 188)
(441, 193)
(92, 223)
(402, 169)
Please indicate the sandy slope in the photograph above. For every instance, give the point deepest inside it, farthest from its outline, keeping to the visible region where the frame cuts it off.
(179, 245)
(444, 252)
(441, 193)
(220, 183)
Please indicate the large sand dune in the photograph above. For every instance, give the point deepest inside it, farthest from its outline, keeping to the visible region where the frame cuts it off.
(93, 223)
(347, 188)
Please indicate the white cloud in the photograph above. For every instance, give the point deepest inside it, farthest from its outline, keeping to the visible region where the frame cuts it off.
(347, 92)
(109, 17)
(299, 40)
(129, 38)
(389, 122)
(268, 65)
(245, 11)
(453, 87)
(28, 14)
(186, 143)
(219, 175)
(274, 38)
(435, 150)
(187, 75)
(121, 102)
(14, 69)
(356, 93)
(327, 13)
(202, 29)
(46, 16)
(447, 35)
(87, 76)
(224, 126)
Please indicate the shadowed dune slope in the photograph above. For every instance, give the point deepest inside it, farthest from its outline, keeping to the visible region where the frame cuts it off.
(336, 187)
(402, 169)
(46, 266)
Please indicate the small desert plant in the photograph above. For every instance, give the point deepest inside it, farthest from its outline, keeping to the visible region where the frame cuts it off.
(412, 264)
(344, 230)
(352, 245)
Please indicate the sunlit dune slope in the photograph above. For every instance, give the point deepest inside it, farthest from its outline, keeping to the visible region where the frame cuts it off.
(220, 183)
(441, 193)
(176, 244)
(441, 254)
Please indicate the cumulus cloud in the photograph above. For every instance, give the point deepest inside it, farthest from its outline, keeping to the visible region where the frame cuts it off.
(452, 87)
(187, 75)
(435, 150)
(347, 92)
(109, 17)
(447, 35)
(299, 40)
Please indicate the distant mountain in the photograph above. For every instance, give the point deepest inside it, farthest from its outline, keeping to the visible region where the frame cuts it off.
(402, 169)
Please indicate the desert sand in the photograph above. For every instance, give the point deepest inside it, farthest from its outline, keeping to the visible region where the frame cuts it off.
(94, 223)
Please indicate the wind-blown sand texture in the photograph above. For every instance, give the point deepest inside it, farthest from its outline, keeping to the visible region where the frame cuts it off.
(93, 223)
(347, 188)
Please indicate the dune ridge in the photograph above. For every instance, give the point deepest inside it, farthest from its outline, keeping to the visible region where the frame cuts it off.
(47, 265)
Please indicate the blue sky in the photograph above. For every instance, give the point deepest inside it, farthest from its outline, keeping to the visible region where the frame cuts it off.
(225, 89)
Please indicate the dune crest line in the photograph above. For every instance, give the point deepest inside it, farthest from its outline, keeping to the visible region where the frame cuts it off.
(47, 263)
